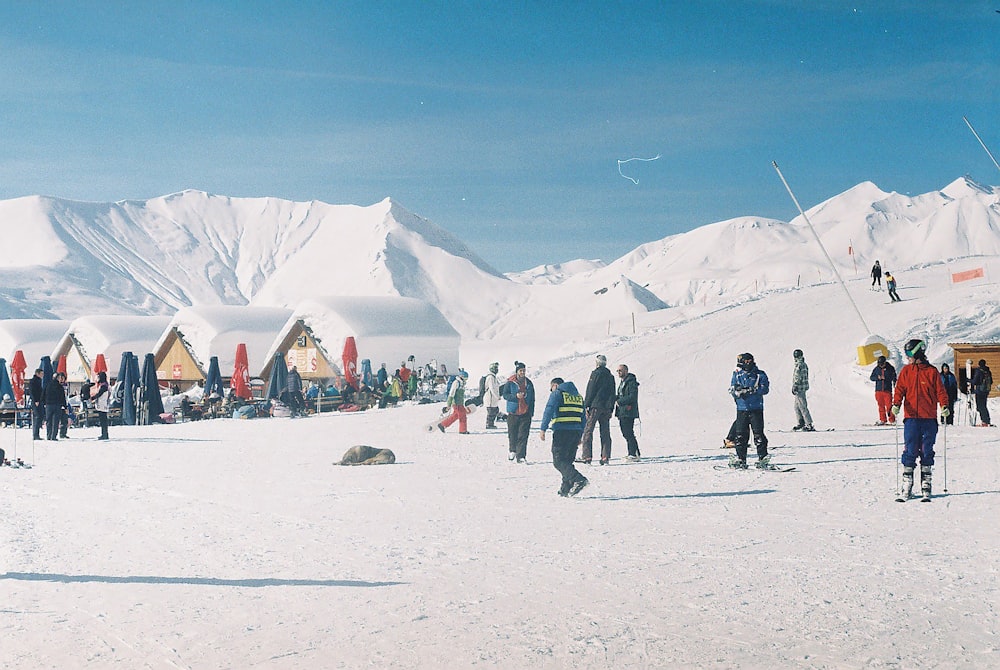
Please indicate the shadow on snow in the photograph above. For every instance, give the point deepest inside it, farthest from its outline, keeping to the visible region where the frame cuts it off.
(194, 581)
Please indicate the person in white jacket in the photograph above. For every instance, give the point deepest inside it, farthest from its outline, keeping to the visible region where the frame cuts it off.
(491, 395)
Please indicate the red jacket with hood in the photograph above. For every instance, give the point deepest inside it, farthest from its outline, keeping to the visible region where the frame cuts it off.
(920, 384)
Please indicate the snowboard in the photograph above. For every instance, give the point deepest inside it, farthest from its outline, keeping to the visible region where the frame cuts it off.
(773, 468)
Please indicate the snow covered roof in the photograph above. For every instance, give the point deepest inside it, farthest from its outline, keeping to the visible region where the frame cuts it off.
(216, 330)
(114, 335)
(34, 337)
(387, 329)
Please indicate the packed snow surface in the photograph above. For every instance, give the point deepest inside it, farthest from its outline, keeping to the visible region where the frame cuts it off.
(239, 544)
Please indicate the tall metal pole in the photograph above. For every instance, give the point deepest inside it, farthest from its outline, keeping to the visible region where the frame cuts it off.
(820, 243)
(988, 152)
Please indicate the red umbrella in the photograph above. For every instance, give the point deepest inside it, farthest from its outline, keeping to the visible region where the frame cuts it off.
(17, 368)
(351, 362)
(240, 381)
(62, 364)
(100, 365)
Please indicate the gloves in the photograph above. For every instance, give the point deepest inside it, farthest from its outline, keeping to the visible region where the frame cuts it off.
(945, 412)
(895, 410)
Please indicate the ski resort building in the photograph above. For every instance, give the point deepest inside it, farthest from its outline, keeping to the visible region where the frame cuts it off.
(33, 337)
(968, 355)
(195, 334)
(89, 336)
(386, 329)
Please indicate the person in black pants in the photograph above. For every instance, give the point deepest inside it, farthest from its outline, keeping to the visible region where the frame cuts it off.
(519, 393)
(35, 391)
(627, 409)
(564, 412)
(55, 405)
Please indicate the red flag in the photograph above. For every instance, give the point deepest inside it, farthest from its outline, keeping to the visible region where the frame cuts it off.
(240, 381)
(17, 368)
(61, 367)
(350, 358)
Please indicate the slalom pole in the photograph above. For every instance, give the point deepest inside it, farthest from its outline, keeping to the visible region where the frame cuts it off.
(829, 260)
(988, 152)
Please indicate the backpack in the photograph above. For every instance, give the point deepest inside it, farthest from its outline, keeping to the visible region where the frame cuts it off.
(986, 384)
(482, 386)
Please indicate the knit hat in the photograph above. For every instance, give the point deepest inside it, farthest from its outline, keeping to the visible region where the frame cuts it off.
(494, 368)
(602, 360)
(518, 365)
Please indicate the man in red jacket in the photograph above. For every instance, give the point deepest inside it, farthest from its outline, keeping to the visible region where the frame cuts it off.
(920, 391)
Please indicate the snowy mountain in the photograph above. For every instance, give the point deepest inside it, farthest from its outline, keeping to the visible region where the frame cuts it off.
(194, 248)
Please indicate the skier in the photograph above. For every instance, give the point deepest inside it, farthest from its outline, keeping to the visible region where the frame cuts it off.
(800, 384)
(627, 409)
(951, 387)
(890, 283)
(519, 393)
(884, 376)
(456, 401)
(748, 387)
(36, 392)
(919, 390)
(564, 411)
(877, 276)
(982, 384)
(599, 402)
(491, 395)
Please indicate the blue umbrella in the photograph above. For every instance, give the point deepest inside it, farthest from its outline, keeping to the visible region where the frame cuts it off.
(151, 402)
(46, 366)
(279, 377)
(6, 388)
(367, 378)
(213, 381)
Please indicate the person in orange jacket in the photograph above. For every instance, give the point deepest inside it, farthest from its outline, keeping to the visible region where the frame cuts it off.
(920, 392)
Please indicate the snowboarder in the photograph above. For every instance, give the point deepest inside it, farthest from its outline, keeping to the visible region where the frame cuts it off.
(519, 393)
(456, 402)
(919, 390)
(800, 384)
(599, 403)
(890, 284)
(884, 376)
(627, 409)
(982, 383)
(951, 387)
(877, 276)
(748, 387)
(564, 412)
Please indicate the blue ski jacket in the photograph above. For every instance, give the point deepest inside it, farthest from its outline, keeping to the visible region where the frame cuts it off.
(564, 410)
(748, 388)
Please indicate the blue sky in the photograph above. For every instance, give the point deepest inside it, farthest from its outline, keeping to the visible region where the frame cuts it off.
(501, 122)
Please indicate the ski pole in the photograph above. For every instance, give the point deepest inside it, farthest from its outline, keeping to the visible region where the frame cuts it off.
(944, 457)
(895, 432)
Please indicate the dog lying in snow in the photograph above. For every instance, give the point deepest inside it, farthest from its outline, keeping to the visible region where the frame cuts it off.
(364, 455)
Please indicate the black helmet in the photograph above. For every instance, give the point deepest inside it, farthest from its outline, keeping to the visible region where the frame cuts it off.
(797, 353)
(915, 349)
(744, 361)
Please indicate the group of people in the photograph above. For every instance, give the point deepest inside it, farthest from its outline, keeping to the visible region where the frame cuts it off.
(50, 405)
(980, 383)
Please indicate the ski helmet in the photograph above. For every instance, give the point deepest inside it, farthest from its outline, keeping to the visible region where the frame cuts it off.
(915, 349)
(744, 360)
(797, 353)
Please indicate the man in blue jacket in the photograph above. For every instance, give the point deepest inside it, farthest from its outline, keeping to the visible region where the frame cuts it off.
(748, 387)
(520, 396)
(564, 412)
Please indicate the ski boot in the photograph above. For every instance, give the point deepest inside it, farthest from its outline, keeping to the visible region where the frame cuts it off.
(907, 492)
(925, 483)
(764, 463)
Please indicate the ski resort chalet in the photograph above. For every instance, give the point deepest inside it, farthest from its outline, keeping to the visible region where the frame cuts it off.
(386, 329)
(195, 334)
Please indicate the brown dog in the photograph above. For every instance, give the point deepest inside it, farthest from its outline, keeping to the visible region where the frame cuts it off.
(364, 455)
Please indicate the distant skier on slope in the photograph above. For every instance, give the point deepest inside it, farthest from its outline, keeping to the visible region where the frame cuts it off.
(877, 276)
(890, 283)
(800, 384)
